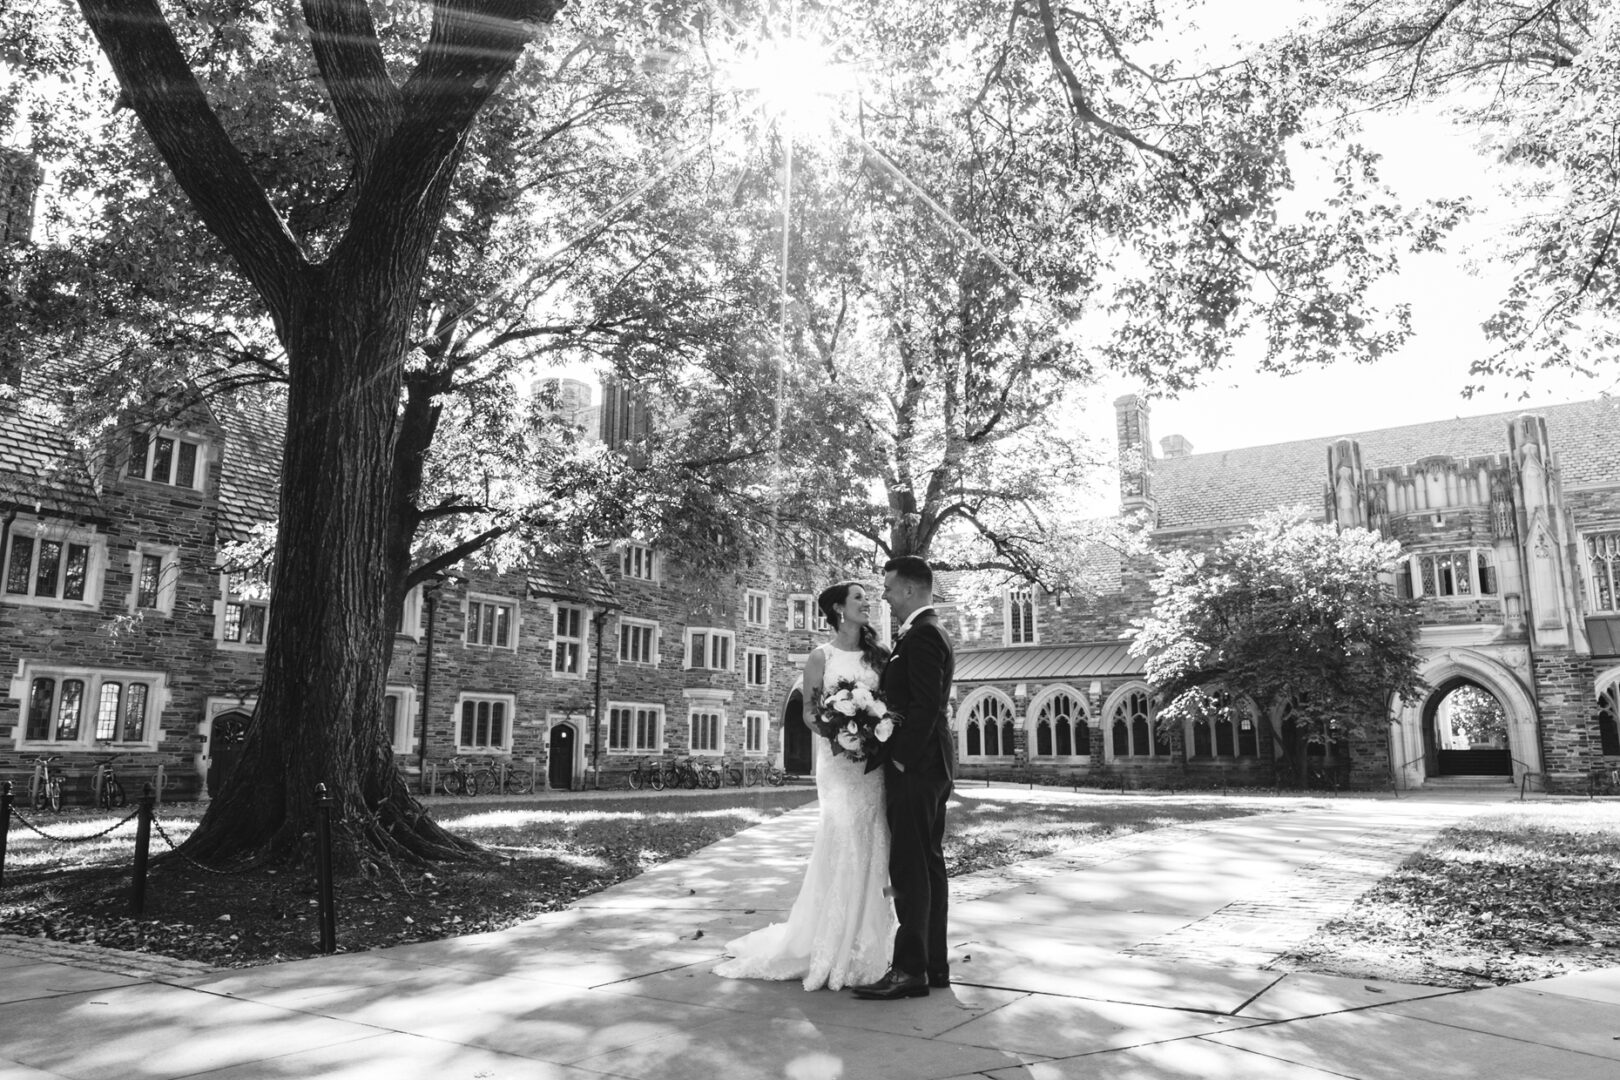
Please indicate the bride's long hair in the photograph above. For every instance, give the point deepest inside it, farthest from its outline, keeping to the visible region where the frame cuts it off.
(872, 650)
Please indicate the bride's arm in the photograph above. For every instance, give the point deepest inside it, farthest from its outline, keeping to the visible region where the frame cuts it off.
(814, 669)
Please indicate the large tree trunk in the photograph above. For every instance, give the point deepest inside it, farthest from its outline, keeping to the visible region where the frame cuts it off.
(338, 581)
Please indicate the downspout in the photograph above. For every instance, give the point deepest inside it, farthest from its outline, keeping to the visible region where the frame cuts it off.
(599, 621)
(430, 592)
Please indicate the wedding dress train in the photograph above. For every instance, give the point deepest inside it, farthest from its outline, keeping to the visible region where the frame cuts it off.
(842, 925)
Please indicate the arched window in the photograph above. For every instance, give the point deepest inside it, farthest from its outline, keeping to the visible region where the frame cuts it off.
(988, 726)
(1608, 718)
(1131, 727)
(1060, 723)
(1225, 732)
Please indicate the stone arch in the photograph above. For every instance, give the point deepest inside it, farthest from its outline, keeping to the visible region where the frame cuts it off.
(564, 754)
(973, 739)
(1079, 739)
(1135, 712)
(1606, 716)
(1443, 673)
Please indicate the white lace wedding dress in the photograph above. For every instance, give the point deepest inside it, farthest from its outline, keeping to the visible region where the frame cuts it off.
(841, 928)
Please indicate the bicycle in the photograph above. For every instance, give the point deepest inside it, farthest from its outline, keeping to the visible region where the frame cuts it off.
(682, 774)
(458, 778)
(731, 774)
(644, 775)
(106, 790)
(518, 781)
(708, 776)
(764, 772)
(45, 789)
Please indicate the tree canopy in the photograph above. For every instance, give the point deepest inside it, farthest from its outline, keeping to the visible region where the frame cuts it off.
(1536, 83)
(1288, 611)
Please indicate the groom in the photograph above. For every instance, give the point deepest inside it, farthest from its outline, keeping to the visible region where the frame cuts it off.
(917, 782)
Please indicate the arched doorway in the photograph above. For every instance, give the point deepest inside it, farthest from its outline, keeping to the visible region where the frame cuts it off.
(225, 740)
(795, 737)
(560, 757)
(1465, 731)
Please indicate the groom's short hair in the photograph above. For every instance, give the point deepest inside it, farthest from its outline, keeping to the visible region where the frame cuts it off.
(912, 568)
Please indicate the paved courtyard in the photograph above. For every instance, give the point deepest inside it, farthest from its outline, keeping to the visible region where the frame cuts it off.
(1141, 957)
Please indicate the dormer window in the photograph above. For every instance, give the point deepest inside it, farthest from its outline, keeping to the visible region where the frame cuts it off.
(636, 562)
(1021, 616)
(165, 458)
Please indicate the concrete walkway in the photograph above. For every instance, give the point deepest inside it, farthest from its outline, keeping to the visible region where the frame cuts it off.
(1141, 957)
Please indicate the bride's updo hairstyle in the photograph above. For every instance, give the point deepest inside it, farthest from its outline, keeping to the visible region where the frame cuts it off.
(872, 650)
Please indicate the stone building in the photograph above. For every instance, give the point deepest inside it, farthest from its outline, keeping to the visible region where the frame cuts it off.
(120, 632)
(1512, 528)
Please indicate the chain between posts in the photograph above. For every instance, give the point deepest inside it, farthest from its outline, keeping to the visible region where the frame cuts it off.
(31, 827)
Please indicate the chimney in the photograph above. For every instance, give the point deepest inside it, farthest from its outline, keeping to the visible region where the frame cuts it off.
(19, 183)
(1172, 446)
(1135, 455)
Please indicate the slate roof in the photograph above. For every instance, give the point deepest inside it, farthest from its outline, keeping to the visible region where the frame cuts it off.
(562, 582)
(1048, 663)
(255, 423)
(1236, 485)
(39, 465)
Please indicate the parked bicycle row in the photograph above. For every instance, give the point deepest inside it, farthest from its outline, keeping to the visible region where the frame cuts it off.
(46, 784)
(460, 776)
(700, 772)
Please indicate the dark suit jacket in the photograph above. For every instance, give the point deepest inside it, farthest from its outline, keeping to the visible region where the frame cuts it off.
(917, 685)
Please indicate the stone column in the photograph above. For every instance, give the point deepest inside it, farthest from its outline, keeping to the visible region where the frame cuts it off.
(1346, 496)
(1135, 457)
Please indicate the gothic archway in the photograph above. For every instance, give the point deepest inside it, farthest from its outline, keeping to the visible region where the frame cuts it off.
(1410, 759)
(1465, 731)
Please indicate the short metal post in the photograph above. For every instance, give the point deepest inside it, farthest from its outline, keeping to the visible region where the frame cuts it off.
(143, 842)
(323, 868)
(5, 825)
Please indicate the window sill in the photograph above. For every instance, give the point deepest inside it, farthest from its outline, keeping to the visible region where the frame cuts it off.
(99, 746)
(19, 600)
(237, 647)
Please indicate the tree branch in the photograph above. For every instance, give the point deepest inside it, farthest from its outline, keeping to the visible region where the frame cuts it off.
(364, 97)
(162, 89)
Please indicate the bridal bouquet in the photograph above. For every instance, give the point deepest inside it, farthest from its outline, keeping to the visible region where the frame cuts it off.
(856, 721)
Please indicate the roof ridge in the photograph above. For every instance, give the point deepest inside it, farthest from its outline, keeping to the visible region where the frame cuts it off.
(1322, 439)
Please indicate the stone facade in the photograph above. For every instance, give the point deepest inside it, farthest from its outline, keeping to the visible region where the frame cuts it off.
(118, 632)
(1507, 519)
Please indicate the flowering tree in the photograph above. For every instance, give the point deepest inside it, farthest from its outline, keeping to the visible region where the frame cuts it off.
(1290, 610)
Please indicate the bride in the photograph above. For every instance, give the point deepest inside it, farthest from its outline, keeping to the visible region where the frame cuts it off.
(841, 928)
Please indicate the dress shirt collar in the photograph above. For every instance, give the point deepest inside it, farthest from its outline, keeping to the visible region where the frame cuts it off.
(900, 633)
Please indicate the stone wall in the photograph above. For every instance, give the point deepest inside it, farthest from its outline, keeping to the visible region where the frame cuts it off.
(1566, 698)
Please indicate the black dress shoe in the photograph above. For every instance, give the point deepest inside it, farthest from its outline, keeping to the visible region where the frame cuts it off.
(939, 979)
(894, 984)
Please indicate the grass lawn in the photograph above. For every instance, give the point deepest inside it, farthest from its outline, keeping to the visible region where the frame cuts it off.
(1513, 895)
(550, 852)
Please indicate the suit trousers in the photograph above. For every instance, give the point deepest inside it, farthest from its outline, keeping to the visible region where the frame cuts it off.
(915, 802)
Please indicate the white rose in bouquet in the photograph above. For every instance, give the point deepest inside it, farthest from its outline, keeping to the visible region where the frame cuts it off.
(845, 706)
(862, 697)
(883, 729)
